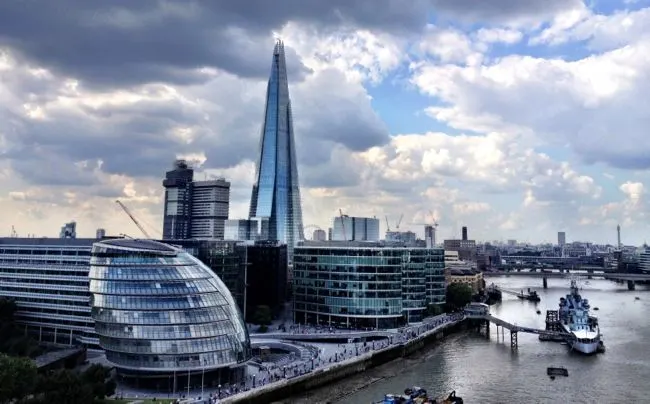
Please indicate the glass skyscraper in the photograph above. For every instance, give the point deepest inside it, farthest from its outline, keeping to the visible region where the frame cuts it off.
(276, 193)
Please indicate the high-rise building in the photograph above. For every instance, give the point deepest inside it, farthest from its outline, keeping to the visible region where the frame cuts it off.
(430, 236)
(319, 235)
(210, 204)
(178, 201)
(276, 192)
(561, 238)
(194, 209)
(464, 235)
(68, 230)
(100, 234)
(348, 228)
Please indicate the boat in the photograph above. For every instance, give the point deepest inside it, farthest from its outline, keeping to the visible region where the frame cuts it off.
(575, 320)
(531, 296)
(418, 395)
(557, 371)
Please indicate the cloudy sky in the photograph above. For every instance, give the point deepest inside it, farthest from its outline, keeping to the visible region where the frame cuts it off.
(515, 118)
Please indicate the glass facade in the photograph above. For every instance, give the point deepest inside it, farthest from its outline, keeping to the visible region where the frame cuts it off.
(159, 309)
(366, 287)
(276, 192)
(48, 280)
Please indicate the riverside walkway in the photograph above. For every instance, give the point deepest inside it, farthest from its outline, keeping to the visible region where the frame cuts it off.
(345, 354)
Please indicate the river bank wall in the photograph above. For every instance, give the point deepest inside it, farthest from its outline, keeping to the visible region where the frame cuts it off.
(321, 377)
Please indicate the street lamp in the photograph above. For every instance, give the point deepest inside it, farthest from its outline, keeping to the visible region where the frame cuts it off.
(188, 381)
(202, 377)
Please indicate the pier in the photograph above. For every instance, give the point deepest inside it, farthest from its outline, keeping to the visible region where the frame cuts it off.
(487, 318)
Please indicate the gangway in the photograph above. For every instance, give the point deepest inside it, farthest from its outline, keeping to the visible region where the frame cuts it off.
(515, 329)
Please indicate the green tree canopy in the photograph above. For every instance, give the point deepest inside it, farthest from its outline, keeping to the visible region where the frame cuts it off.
(458, 295)
(17, 378)
(262, 315)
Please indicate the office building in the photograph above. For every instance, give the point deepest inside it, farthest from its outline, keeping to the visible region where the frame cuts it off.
(430, 236)
(362, 284)
(464, 233)
(561, 238)
(210, 204)
(194, 209)
(349, 228)
(466, 248)
(255, 272)
(100, 234)
(178, 201)
(68, 230)
(48, 280)
(247, 229)
(319, 235)
(404, 237)
(266, 274)
(276, 190)
(160, 312)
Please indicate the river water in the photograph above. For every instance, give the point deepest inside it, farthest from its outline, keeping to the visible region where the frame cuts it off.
(485, 370)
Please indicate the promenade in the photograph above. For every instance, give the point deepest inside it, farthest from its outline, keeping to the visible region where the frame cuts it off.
(321, 356)
(329, 356)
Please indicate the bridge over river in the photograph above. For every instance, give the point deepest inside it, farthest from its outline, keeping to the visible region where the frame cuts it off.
(615, 276)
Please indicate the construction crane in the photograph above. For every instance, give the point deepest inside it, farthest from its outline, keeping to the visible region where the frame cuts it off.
(345, 235)
(399, 221)
(387, 224)
(126, 210)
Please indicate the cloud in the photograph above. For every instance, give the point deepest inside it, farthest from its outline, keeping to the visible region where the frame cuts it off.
(587, 104)
(504, 11)
(523, 104)
(126, 43)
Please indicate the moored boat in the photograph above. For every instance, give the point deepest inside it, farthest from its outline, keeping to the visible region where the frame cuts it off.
(575, 320)
(418, 395)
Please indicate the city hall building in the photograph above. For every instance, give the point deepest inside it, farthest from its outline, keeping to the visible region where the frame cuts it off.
(365, 284)
(156, 309)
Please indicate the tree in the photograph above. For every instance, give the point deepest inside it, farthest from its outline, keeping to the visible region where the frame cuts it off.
(64, 386)
(458, 296)
(262, 317)
(13, 340)
(17, 378)
(95, 377)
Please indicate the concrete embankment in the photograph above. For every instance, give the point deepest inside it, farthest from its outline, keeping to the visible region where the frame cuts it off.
(338, 371)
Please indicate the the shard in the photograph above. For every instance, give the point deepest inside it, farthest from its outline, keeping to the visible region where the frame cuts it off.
(276, 193)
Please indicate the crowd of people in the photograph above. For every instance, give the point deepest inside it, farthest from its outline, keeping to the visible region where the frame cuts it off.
(271, 373)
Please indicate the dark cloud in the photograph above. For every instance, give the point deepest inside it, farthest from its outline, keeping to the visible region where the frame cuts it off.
(502, 10)
(130, 42)
(341, 114)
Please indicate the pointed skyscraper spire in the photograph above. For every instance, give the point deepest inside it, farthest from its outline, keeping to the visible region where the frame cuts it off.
(276, 192)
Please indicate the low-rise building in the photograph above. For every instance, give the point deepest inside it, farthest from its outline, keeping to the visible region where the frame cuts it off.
(365, 285)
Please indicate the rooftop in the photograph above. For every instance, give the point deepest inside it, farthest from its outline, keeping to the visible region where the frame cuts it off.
(138, 244)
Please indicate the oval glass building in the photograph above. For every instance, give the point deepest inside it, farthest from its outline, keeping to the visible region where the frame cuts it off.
(160, 311)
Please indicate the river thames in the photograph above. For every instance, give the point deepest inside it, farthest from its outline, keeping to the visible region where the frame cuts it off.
(485, 370)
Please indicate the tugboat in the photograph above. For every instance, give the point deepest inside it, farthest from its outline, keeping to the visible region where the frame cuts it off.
(531, 296)
(418, 395)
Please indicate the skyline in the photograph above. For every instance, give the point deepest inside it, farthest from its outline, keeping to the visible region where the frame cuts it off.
(515, 119)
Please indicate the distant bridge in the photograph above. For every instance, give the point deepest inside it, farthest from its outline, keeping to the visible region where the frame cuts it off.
(514, 329)
(614, 276)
